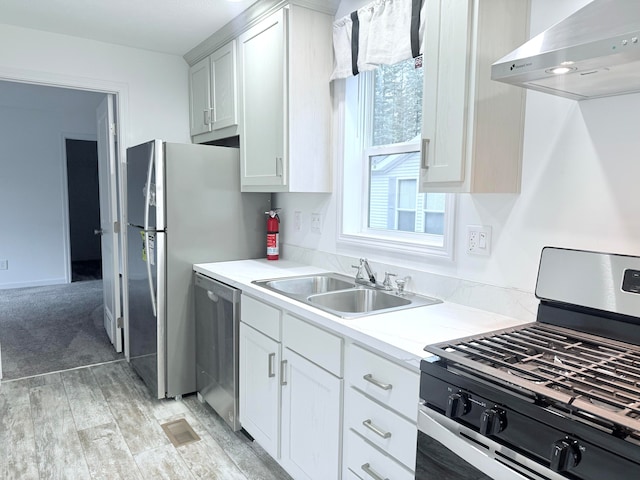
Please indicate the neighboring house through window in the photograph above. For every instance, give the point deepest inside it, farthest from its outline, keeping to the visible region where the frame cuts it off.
(381, 204)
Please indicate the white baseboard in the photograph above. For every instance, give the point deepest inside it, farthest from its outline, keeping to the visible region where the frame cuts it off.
(33, 283)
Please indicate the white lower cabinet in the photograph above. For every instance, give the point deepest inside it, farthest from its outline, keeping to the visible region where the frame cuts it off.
(368, 463)
(323, 407)
(311, 400)
(260, 388)
(291, 390)
(381, 408)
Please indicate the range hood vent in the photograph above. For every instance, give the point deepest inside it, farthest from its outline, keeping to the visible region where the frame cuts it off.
(598, 46)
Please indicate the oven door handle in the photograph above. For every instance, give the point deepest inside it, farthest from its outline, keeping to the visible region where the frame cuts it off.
(366, 468)
(384, 386)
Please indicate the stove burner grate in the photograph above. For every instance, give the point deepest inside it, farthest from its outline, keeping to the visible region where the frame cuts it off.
(599, 375)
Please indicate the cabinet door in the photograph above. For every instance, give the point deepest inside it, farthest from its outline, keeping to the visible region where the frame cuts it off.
(200, 97)
(311, 441)
(223, 87)
(261, 55)
(260, 388)
(444, 96)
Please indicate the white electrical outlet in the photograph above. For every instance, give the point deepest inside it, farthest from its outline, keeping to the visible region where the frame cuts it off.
(479, 239)
(4, 264)
(297, 220)
(316, 223)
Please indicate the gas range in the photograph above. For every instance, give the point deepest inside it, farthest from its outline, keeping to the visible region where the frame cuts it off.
(559, 397)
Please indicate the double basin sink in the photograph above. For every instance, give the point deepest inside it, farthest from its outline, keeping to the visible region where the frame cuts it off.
(340, 295)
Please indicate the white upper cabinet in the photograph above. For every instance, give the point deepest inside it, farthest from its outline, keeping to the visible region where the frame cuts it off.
(200, 97)
(472, 126)
(224, 106)
(213, 95)
(285, 62)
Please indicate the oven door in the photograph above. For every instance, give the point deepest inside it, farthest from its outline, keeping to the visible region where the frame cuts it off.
(447, 450)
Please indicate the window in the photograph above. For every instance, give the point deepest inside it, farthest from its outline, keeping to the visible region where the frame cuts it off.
(381, 204)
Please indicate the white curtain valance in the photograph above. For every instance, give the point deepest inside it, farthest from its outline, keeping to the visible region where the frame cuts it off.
(384, 31)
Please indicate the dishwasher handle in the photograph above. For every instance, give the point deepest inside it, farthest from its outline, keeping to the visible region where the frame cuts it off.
(217, 290)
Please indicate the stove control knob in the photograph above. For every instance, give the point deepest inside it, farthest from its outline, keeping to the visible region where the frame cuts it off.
(493, 421)
(565, 454)
(458, 405)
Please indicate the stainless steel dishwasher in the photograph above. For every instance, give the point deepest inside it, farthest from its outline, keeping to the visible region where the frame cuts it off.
(217, 311)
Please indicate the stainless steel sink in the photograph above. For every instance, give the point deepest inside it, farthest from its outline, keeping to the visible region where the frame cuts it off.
(339, 295)
(308, 285)
(359, 300)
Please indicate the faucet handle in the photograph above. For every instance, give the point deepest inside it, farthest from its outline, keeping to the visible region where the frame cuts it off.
(359, 273)
(387, 281)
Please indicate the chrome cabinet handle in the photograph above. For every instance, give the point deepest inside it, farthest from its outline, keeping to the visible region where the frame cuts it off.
(272, 357)
(371, 472)
(207, 116)
(283, 371)
(279, 166)
(384, 386)
(367, 423)
(98, 231)
(424, 153)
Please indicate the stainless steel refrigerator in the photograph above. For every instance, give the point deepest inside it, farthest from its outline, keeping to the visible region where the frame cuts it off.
(184, 206)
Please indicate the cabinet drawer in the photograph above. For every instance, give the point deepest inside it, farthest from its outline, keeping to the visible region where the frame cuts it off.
(387, 382)
(370, 464)
(382, 427)
(262, 317)
(313, 343)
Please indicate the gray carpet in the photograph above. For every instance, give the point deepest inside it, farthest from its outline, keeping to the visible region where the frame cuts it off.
(46, 329)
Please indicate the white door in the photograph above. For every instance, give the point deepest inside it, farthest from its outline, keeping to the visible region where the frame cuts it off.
(261, 57)
(310, 419)
(200, 91)
(107, 171)
(259, 388)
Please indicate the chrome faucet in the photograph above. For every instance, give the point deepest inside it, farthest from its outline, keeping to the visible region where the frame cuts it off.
(365, 263)
(369, 279)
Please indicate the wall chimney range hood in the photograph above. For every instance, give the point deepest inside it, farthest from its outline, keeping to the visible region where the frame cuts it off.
(595, 52)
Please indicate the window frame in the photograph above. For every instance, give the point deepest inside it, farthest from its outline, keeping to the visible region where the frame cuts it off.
(353, 126)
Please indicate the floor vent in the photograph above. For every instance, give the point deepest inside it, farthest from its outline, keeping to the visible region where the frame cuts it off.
(180, 432)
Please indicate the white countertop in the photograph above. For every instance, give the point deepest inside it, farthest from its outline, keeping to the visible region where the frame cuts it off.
(401, 334)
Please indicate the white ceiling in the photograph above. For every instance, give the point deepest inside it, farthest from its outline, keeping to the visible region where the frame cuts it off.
(168, 26)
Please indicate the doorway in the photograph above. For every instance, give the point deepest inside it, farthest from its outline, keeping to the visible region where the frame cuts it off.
(35, 121)
(84, 209)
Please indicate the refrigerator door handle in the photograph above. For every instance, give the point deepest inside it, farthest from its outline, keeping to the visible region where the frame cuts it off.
(147, 206)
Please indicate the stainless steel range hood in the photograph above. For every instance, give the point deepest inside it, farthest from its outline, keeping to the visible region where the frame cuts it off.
(598, 46)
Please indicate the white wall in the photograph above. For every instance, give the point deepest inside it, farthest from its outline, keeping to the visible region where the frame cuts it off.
(153, 104)
(33, 122)
(579, 188)
(158, 97)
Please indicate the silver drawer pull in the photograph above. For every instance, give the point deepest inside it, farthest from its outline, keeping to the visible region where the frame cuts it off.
(371, 472)
(272, 357)
(376, 430)
(283, 372)
(424, 153)
(384, 386)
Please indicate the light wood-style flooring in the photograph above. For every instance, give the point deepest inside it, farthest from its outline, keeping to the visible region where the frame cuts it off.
(101, 423)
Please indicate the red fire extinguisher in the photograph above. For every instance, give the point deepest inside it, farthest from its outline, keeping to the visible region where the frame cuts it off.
(273, 234)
